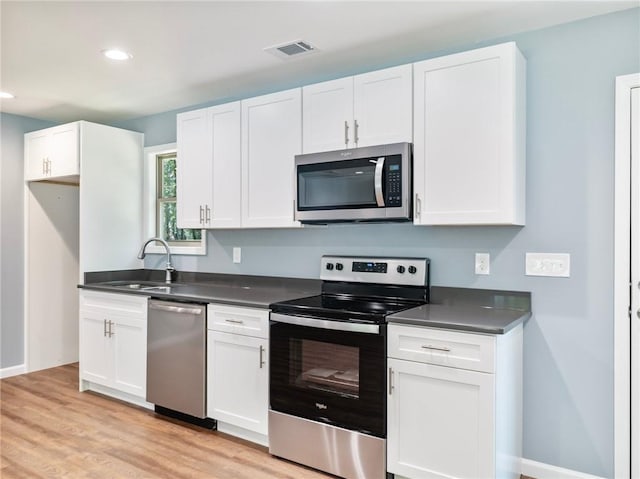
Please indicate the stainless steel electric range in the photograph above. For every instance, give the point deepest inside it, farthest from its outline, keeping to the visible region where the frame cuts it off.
(328, 364)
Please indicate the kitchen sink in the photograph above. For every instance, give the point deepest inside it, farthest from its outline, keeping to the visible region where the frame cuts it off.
(141, 285)
(158, 289)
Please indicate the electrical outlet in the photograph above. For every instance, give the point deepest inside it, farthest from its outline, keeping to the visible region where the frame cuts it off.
(548, 264)
(237, 255)
(483, 263)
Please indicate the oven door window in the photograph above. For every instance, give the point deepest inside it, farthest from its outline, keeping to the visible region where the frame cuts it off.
(335, 377)
(327, 367)
(337, 184)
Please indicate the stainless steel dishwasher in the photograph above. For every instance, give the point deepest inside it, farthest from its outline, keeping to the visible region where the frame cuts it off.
(176, 358)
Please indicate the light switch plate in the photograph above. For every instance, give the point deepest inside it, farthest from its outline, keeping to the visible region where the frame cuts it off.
(237, 255)
(548, 264)
(483, 263)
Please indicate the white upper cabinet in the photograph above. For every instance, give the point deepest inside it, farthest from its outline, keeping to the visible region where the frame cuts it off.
(271, 137)
(327, 115)
(469, 138)
(52, 153)
(209, 166)
(193, 169)
(369, 109)
(224, 128)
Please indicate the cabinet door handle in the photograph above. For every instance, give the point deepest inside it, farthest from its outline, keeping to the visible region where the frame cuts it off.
(235, 321)
(111, 333)
(201, 215)
(346, 133)
(207, 218)
(355, 132)
(418, 206)
(48, 166)
(104, 321)
(436, 348)
(43, 167)
(261, 353)
(390, 381)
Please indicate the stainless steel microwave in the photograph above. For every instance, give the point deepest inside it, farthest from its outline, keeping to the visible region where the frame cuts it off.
(361, 184)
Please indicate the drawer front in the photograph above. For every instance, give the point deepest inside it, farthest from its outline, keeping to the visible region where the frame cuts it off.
(238, 320)
(129, 304)
(475, 352)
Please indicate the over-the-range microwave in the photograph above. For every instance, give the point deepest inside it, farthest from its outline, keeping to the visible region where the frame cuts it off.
(372, 183)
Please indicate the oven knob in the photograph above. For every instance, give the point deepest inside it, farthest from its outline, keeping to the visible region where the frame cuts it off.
(400, 269)
(329, 266)
(412, 269)
(339, 266)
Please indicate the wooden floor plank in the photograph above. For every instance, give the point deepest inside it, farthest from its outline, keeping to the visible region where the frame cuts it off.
(48, 429)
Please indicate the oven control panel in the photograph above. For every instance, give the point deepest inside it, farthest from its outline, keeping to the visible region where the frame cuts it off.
(400, 271)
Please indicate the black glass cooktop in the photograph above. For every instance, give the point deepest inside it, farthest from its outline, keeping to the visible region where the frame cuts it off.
(344, 308)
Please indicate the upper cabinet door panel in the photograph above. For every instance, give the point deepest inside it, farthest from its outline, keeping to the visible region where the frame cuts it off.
(469, 150)
(271, 137)
(328, 116)
(383, 106)
(35, 152)
(194, 176)
(224, 129)
(65, 150)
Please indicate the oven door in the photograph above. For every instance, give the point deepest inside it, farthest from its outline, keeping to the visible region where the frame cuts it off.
(333, 376)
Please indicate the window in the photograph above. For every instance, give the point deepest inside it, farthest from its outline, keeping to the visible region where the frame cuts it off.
(166, 211)
(160, 204)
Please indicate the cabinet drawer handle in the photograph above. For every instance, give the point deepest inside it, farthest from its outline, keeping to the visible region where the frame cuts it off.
(435, 348)
(261, 352)
(390, 381)
(234, 321)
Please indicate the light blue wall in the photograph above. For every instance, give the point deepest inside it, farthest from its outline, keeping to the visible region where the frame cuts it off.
(568, 363)
(12, 130)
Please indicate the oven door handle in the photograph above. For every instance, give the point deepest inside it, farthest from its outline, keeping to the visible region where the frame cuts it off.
(326, 324)
(377, 181)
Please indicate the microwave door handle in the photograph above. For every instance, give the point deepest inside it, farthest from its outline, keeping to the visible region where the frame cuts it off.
(377, 181)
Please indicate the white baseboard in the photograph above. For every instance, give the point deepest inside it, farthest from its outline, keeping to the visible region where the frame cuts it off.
(12, 371)
(540, 470)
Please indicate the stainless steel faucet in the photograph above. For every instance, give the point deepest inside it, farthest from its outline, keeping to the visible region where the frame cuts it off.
(169, 269)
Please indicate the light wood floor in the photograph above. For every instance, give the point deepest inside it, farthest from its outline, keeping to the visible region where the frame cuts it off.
(50, 430)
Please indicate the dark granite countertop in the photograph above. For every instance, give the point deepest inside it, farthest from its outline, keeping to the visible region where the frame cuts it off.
(473, 310)
(232, 289)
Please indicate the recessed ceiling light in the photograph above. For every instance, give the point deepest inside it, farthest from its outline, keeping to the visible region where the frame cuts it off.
(6, 94)
(115, 54)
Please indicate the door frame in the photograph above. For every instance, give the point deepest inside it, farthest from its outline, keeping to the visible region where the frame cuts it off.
(622, 265)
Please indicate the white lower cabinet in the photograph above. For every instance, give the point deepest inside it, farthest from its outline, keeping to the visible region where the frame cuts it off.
(238, 370)
(113, 344)
(452, 422)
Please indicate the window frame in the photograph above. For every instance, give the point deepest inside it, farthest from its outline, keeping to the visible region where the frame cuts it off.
(150, 205)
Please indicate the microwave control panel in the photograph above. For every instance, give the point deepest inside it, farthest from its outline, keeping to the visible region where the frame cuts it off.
(393, 183)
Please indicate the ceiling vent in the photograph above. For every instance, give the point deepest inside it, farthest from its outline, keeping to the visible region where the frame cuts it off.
(293, 49)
